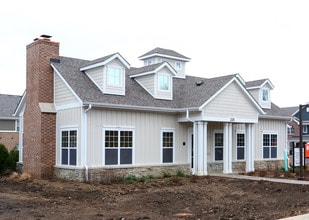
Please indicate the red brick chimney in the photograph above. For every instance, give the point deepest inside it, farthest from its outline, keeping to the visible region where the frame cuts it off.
(39, 116)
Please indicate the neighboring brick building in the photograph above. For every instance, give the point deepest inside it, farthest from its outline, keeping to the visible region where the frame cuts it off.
(39, 115)
(9, 124)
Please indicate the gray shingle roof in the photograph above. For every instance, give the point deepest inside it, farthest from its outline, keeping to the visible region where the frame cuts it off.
(186, 94)
(163, 51)
(8, 104)
(255, 83)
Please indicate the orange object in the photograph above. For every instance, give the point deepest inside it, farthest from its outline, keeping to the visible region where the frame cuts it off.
(307, 150)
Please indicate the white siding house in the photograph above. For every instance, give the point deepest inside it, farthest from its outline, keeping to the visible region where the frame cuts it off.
(112, 119)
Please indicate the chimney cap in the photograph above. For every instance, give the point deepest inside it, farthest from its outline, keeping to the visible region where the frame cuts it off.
(45, 36)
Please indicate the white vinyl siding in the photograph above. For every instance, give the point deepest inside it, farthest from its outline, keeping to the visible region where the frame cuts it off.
(62, 94)
(147, 135)
(270, 127)
(147, 82)
(239, 107)
(68, 119)
(96, 75)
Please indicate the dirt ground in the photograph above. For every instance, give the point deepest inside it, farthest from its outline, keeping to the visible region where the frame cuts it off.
(169, 198)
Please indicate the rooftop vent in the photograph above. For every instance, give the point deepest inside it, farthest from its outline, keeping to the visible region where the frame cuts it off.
(199, 83)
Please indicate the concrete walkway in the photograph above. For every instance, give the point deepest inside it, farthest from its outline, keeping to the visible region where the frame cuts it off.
(278, 180)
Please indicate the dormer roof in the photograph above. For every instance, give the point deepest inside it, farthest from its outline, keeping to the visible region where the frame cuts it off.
(145, 70)
(256, 84)
(161, 52)
(104, 60)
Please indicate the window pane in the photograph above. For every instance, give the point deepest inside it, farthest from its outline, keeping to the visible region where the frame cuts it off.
(168, 155)
(265, 95)
(111, 156)
(125, 156)
(65, 139)
(126, 138)
(73, 138)
(266, 152)
(218, 153)
(111, 138)
(273, 152)
(266, 141)
(240, 153)
(73, 156)
(163, 82)
(64, 155)
(240, 140)
(167, 139)
(273, 140)
(114, 76)
(219, 139)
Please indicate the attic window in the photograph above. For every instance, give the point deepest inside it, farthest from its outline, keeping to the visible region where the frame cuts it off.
(164, 82)
(199, 83)
(265, 95)
(114, 76)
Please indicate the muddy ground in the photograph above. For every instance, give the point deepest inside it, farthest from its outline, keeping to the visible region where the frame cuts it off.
(168, 198)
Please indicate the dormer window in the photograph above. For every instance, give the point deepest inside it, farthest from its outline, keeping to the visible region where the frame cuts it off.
(265, 95)
(164, 82)
(178, 65)
(149, 62)
(114, 76)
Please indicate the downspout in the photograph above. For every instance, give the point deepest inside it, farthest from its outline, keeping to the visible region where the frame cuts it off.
(85, 143)
(188, 116)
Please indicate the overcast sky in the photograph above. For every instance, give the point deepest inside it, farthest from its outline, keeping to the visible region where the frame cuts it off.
(257, 39)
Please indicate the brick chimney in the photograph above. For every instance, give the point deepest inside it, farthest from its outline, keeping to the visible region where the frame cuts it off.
(39, 123)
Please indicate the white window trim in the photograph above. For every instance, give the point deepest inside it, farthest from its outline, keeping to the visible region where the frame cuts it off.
(269, 133)
(214, 147)
(241, 132)
(133, 144)
(161, 143)
(77, 144)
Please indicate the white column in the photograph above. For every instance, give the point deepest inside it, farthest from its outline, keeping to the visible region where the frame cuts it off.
(205, 148)
(227, 148)
(200, 148)
(249, 148)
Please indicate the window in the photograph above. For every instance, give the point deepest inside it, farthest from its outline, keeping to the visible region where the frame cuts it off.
(68, 147)
(164, 82)
(269, 146)
(167, 141)
(240, 145)
(265, 95)
(218, 146)
(291, 130)
(114, 76)
(149, 62)
(178, 65)
(118, 144)
(305, 129)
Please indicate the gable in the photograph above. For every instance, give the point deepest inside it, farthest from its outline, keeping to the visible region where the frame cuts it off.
(231, 104)
(63, 95)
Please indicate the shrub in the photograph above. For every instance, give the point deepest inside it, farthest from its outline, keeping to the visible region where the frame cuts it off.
(4, 155)
(8, 160)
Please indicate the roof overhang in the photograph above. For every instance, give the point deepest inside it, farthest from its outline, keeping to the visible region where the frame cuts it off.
(165, 56)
